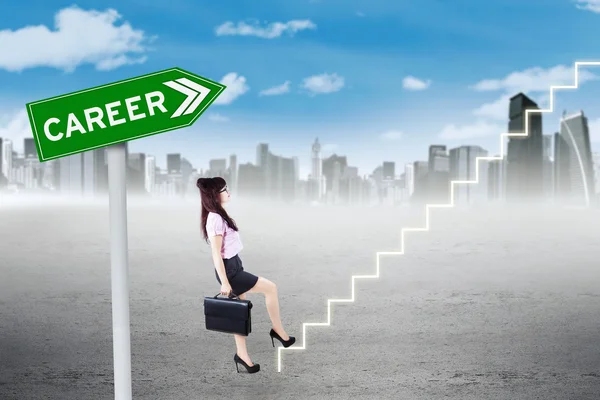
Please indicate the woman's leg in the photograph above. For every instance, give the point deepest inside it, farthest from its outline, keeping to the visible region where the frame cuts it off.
(240, 344)
(269, 289)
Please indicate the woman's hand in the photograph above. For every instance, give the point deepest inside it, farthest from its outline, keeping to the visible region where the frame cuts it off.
(225, 289)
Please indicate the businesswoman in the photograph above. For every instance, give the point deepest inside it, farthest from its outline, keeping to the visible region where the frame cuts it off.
(221, 231)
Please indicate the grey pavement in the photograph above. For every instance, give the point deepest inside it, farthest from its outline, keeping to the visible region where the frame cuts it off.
(490, 304)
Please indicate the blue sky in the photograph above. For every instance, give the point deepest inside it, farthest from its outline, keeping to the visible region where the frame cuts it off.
(389, 77)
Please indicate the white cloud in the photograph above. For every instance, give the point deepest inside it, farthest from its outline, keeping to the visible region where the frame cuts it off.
(492, 117)
(497, 110)
(276, 90)
(215, 117)
(594, 126)
(324, 83)
(270, 31)
(80, 37)
(391, 135)
(589, 5)
(236, 86)
(15, 127)
(412, 83)
(476, 130)
(535, 79)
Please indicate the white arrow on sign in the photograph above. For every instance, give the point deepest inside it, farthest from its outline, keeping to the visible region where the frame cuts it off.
(195, 94)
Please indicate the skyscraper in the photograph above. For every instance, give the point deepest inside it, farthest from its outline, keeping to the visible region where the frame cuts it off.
(562, 184)
(524, 174)
(173, 163)
(89, 174)
(287, 182)
(233, 171)
(7, 157)
(136, 177)
(262, 161)
(71, 175)
(262, 154)
(316, 186)
(150, 176)
(420, 173)
(251, 180)
(316, 169)
(438, 176)
(332, 173)
(29, 150)
(218, 167)
(548, 167)
(596, 162)
(575, 134)
(389, 170)
(463, 167)
(497, 179)
(409, 179)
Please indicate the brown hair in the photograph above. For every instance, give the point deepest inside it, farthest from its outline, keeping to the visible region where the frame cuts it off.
(210, 189)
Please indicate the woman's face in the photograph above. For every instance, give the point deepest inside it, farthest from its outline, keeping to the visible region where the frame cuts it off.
(224, 195)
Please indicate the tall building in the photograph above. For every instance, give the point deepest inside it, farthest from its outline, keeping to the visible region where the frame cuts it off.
(262, 161)
(233, 172)
(251, 181)
(51, 174)
(420, 173)
(596, 162)
(316, 166)
(575, 133)
(548, 167)
(296, 167)
(351, 186)
(88, 173)
(262, 154)
(389, 170)
(316, 182)
(174, 163)
(7, 158)
(29, 150)
(136, 173)
(497, 179)
(562, 180)
(82, 174)
(438, 176)
(218, 167)
(463, 167)
(287, 179)
(71, 175)
(333, 166)
(409, 179)
(150, 176)
(524, 173)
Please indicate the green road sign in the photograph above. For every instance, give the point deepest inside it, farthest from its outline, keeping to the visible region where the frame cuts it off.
(119, 112)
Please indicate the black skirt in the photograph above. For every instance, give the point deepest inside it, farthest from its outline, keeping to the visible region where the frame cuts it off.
(241, 281)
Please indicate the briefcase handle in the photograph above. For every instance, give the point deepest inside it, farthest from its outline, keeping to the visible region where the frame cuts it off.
(230, 296)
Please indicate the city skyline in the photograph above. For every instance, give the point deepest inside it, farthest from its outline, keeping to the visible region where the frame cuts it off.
(377, 97)
(538, 167)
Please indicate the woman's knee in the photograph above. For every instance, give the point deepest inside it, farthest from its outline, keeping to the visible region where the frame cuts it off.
(271, 286)
(264, 285)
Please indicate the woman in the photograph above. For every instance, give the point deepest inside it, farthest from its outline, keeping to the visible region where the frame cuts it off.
(221, 231)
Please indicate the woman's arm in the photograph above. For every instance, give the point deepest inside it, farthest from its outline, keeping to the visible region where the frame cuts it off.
(215, 244)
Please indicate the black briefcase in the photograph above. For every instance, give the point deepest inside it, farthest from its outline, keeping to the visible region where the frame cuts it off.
(229, 315)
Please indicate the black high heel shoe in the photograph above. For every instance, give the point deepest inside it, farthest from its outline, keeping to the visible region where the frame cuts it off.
(285, 343)
(250, 369)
